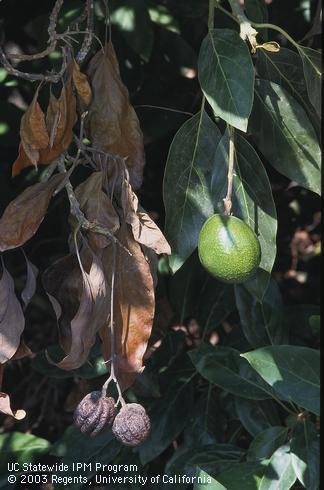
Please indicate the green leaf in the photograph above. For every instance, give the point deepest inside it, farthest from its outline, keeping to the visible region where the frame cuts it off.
(207, 423)
(223, 367)
(284, 134)
(17, 447)
(312, 64)
(212, 458)
(186, 191)
(206, 482)
(245, 476)
(252, 202)
(133, 20)
(279, 474)
(162, 16)
(226, 76)
(266, 443)
(305, 454)
(261, 320)
(256, 416)
(256, 10)
(74, 446)
(196, 293)
(292, 371)
(315, 324)
(168, 417)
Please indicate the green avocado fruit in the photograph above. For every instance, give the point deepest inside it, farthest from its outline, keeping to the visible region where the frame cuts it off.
(229, 249)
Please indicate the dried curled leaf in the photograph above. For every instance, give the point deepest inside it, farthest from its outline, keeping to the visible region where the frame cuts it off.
(91, 315)
(33, 132)
(145, 231)
(62, 282)
(5, 407)
(134, 307)
(60, 119)
(271, 46)
(23, 215)
(81, 84)
(30, 286)
(12, 321)
(97, 207)
(112, 121)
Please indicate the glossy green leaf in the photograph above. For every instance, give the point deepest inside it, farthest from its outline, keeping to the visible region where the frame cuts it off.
(305, 454)
(186, 190)
(212, 458)
(168, 415)
(312, 64)
(245, 476)
(207, 423)
(226, 76)
(133, 20)
(206, 482)
(252, 202)
(256, 10)
(223, 367)
(21, 448)
(196, 293)
(292, 371)
(279, 473)
(74, 446)
(266, 443)
(262, 320)
(256, 416)
(284, 134)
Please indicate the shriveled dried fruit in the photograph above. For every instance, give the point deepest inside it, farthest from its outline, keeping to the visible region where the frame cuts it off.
(94, 413)
(131, 425)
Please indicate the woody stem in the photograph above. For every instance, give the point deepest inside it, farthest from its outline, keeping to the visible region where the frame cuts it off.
(228, 198)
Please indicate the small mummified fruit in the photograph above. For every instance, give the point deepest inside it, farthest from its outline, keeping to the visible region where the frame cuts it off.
(131, 425)
(94, 413)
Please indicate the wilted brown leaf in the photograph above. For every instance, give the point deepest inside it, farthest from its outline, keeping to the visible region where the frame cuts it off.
(112, 121)
(33, 132)
(91, 315)
(81, 84)
(22, 351)
(133, 306)
(12, 321)
(97, 207)
(30, 285)
(145, 231)
(6, 408)
(23, 215)
(62, 281)
(60, 119)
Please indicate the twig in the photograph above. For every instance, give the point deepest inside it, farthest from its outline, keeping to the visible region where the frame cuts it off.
(80, 217)
(112, 376)
(163, 109)
(53, 19)
(33, 77)
(86, 45)
(228, 198)
(246, 29)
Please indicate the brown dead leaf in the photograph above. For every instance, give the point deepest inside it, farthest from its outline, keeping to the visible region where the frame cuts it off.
(33, 132)
(62, 282)
(6, 408)
(30, 285)
(22, 351)
(91, 315)
(60, 119)
(112, 121)
(97, 207)
(23, 215)
(134, 307)
(145, 231)
(81, 84)
(12, 321)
